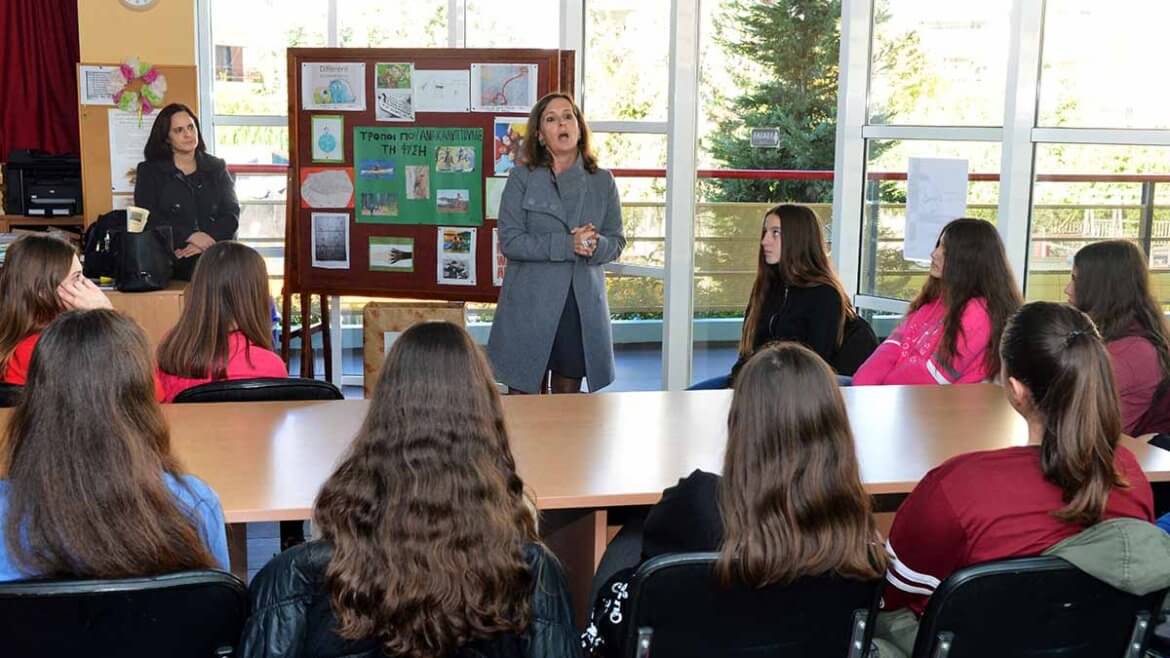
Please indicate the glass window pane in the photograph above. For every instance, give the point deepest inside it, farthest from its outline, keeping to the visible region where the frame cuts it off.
(884, 270)
(383, 24)
(252, 144)
(513, 24)
(626, 72)
(939, 63)
(251, 75)
(1087, 193)
(1100, 64)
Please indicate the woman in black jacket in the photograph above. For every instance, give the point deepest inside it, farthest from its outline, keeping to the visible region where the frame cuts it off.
(185, 188)
(429, 546)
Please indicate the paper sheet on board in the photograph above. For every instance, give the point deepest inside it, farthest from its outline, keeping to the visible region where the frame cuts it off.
(128, 135)
(936, 194)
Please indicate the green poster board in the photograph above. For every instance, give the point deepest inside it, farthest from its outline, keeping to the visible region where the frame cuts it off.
(418, 175)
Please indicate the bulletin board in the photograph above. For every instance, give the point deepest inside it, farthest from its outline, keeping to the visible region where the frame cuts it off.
(395, 166)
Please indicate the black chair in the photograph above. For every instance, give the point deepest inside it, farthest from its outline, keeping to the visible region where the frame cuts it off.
(1031, 608)
(10, 394)
(265, 389)
(193, 614)
(678, 608)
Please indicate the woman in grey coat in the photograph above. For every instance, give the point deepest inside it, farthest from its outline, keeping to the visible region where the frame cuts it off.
(560, 221)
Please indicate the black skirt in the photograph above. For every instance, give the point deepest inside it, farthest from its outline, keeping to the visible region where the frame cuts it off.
(568, 350)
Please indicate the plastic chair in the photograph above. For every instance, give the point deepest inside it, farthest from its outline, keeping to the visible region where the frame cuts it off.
(266, 389)
(679, 609)
(193, 614)
(10, 394)
(1034, 607)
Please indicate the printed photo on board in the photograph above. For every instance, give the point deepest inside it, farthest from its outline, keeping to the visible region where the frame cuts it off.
(452, 201)
(454, 159)
(392, 254)
(376, 169)
(379, 204)
(456, 264)
(418, 182)
(330, 240)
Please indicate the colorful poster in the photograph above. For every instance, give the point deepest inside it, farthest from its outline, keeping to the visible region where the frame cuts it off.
(392, 254)
(503, 87)
(419, 175)
(393, 92)
(326, 187)
(333, 86)
(456, 256)
(509, 143)
(499, 261)
(328, 136)
(330, 240)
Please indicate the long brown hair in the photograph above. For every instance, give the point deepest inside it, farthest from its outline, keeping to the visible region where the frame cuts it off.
(1055, 351)
(791, 496)
(228, 292)
(975, 267)
(803, 263)
(1112, 284)
(426, 514)
(34, 266)
(87, 449)
(537, 155)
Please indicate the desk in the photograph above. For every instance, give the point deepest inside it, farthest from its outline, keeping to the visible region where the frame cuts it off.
(157, 312)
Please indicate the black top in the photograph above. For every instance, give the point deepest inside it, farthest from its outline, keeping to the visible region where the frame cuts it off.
(203, 201)
(810, 316)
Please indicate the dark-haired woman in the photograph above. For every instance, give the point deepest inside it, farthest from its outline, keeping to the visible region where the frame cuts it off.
(796, 295)
(225, 330)
(95, 492)
(789, 505)
(1111, 283)
(1022, 501)
(428, 543)
(185, 187)
(951, 333)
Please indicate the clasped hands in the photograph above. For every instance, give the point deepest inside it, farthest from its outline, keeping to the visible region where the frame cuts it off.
(198, 243)
(584, 240)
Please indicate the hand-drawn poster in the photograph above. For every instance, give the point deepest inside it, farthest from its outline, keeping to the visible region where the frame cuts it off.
(393, 93)
(392, 254)
(936, 193)
(503, 87)
(456, 256)
(128, 134)
(442, 91)
(499, 261)
(419, 175)
(509, 143)
(326, 187)
(330, 239)
(333, 86)
(328, 138)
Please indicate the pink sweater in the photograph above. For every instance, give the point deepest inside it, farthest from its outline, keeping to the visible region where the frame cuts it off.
(244, 362)
(910, 354)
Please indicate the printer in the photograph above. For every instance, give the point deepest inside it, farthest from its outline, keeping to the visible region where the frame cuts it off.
(42, 185)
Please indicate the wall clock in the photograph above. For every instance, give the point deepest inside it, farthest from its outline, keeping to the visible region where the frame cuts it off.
(139, 5)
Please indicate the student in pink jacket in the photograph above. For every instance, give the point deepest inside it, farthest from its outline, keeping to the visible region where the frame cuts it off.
(952, 331)
(1111, 284)
(225, 331)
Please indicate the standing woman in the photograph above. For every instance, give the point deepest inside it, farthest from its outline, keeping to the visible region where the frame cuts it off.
(1111, 284)
(560, 221)
(185, 188)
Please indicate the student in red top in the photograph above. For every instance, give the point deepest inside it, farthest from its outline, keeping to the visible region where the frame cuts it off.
(1111, 283)
(1021, 501)
(41, 278)
(225, 330)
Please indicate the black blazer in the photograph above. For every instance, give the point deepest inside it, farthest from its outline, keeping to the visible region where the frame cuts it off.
(204, 201)
(292, 616)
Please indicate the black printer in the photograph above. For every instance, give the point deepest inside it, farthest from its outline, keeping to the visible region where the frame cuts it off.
(42, 185)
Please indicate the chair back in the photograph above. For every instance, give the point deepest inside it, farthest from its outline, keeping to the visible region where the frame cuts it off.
(193, 614)
(264, 389)
(1031, 608)
(679, 609)
(10, 394)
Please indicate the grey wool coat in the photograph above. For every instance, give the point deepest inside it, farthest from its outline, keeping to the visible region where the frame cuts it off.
(537, 211)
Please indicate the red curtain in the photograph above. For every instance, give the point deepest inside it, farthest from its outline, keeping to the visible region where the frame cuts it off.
(39, 52)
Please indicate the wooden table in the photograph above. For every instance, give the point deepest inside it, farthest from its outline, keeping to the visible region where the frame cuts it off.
(157, 311)
(9, 222)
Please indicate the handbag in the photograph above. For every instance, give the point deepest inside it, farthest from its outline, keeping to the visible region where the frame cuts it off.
(145, 261)
(858, 342)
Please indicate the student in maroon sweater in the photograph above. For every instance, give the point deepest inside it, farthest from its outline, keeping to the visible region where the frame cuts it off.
(1111, 283)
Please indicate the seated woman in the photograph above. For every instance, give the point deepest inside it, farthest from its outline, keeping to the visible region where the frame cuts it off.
(796, 295)
(951, 333)
(1111, 283)
(1021, 501)
(115, 502)
(41, 278)
(789, 505)
(225, 330)
(428, 544)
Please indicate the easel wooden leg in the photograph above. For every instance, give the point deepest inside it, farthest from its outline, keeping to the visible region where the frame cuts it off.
(285, 324)
(307, 335)
(326, 337)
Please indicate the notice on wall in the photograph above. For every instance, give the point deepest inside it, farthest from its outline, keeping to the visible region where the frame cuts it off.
(128, 134)
(419, 175)
(936, 194)
(97, 84)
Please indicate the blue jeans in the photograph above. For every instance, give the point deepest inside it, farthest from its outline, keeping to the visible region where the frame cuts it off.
(713, 384)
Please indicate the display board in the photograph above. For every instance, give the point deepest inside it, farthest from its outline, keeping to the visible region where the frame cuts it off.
(397, 162)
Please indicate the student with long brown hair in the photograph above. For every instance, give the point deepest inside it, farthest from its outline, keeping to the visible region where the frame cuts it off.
(41, 279)
(789, 504)
(1021, 501)
(796, 295)
(428, 543)
(93, 490)
(951, 333)
(225, 330)
(1111, 283)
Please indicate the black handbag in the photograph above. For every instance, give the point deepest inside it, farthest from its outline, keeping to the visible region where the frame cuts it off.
(859, 341)
(145, 261)
(97, 246)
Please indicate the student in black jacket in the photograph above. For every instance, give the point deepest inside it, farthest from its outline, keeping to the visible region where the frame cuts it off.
(185, 188)
(428, 543)
(789, 504)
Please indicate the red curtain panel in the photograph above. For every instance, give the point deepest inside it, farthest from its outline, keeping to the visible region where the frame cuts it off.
(39, 52)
